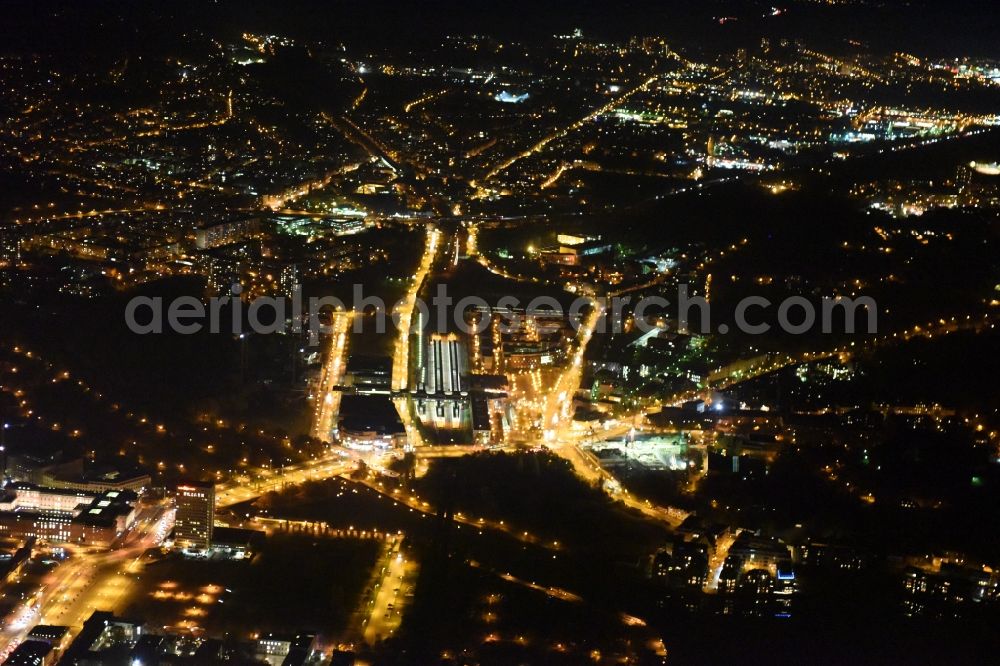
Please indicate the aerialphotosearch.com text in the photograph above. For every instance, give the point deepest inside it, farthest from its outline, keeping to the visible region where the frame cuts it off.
(752, 315)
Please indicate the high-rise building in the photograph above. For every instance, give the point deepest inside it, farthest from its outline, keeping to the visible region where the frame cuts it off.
(289, 279)
(10, 247)
(195, 515)
(963, 177)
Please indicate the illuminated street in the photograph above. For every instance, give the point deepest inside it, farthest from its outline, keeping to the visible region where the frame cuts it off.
(393, 586)
(91, 579)
(401, 370)
(239, 491)
(327, 396)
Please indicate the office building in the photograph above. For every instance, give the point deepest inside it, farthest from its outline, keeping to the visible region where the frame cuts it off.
(31, 653)
(58, 515)
(195, 515)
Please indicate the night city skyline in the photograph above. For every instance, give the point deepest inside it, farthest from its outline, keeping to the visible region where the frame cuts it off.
(499, 333)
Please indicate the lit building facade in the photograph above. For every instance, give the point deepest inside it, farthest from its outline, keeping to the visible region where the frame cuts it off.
(195, 515)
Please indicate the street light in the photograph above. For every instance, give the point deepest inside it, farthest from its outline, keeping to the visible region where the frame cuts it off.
(3, 450)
